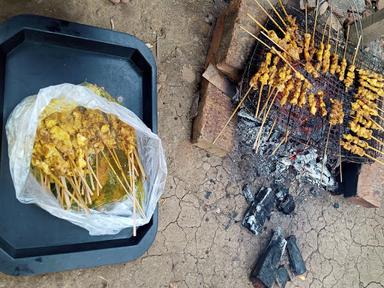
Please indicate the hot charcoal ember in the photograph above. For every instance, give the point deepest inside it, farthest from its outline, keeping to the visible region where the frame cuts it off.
(295, 258)
(282, 277)
(267, 265)
(259, 211)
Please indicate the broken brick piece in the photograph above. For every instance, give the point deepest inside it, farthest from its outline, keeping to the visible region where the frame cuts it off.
(369, 186)
(215, 108)
(236, 44)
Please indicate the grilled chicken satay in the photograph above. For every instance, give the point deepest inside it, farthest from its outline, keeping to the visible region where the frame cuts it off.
(303, 94)
(326, 59)
(287, 91)
(353, 148)
(343, 68)
(335, 64)
(348, 81)
(307, 47)
(296, 94)
(336, 116)
(322, 105)
(312, 103)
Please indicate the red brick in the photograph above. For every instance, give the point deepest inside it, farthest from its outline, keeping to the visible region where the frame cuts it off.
(370, 186)
(236, 45)
(215, 108)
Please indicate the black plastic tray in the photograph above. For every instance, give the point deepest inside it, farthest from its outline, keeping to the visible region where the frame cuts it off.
(37, 52)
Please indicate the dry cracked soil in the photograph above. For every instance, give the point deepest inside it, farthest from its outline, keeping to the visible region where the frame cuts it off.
(200, 242)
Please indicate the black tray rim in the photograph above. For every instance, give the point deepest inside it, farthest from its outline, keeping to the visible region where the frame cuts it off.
(76, 260)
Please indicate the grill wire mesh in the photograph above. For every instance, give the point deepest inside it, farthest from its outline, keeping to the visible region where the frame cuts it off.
(305, 128)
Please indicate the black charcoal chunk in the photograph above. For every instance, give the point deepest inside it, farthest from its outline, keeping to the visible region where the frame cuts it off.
(282, 277)
(281, 193)
(295, 258)
(259, 211)
(267, 265)
(287, 206)
(248, 194)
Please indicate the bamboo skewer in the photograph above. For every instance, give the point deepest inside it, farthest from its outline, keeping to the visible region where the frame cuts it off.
(270, 17)
(272, 128)
(374, 159)
(346, 42)
(282, 6)
(306, 17)
(97, 175)
(266, 103)
(256, 144)
(378, 140)
(315, 24)
(277, 13)
(258, 39)
(233, 115)
(357, 50)
(257, 22)
(258, 102)
(121, 183)
(284, 140)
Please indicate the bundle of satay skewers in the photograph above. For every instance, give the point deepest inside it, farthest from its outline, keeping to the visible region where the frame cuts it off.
(87, 158)
(300, 70)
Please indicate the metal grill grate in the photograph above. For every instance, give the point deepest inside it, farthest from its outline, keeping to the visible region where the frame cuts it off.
(304, 127)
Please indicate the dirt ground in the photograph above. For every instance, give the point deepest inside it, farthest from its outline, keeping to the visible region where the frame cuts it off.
(200, 242)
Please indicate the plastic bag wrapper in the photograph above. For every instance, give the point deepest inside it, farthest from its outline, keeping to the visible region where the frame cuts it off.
(111, 218)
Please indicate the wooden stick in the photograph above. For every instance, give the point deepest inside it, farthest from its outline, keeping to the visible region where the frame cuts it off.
(282, 6)
(377, 150)
(233, 115)
(274, 42)
(91, 175)
(259, 101)
(377, 140)
(357, 50)
(346, 42)
(373, 158)
(337, 41)
(119, 166)
(258, 23)
(266, 103)
(88, 189)
(256, 144)
(284, 140)
(277, 13)
(97, 175)
(272, 128)
(286, 61)
(325, 154)
(315, 24)
(270, 17)
(121, 182)
(114, 171)
(130, 164)
(138, 161)
(80, 200)
(258, 39)
(94, 175)
(306, 17)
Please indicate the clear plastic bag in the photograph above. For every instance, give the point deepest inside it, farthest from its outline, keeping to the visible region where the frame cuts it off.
(112, 218)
